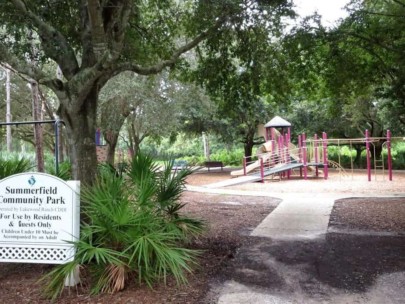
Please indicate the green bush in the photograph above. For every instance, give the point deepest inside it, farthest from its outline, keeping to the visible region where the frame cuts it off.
(65, 170)
(398, 156)
(343, 155)
(194, 160)
(397, 153)
(132, 229)
(14, 165)
(229, 158)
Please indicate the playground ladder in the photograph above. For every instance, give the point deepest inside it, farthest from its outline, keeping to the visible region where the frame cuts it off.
(379, 165)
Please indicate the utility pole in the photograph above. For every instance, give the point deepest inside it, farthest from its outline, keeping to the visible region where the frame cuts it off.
(8, 111)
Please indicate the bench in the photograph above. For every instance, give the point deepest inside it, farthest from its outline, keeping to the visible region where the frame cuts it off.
(214, 164)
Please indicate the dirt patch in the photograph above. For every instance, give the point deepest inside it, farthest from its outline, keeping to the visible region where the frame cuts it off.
(369, 216)
(347, 183)
(229, 221)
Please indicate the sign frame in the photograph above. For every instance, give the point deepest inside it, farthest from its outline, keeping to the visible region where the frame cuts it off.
(39, 218)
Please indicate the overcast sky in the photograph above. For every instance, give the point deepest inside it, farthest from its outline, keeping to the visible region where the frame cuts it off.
(330, 10)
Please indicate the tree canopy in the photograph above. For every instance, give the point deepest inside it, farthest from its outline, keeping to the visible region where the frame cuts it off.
(93, 40)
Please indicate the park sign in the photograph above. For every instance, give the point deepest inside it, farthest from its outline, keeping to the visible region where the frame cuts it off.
(39, 218)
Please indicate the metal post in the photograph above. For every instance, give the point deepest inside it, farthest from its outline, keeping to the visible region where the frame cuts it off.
(300, 152)
(287, 144)
(368, 156)
(261, 169)
(39, 122)
(283, 153)
(56, 128)
(325, 155)
(304, 156)
(389, 154)
(316, 156)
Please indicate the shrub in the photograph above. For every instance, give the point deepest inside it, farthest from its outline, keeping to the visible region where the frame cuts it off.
(14, 165)
(398, 156)
(132, 229)
(229, 158)
(65, 170)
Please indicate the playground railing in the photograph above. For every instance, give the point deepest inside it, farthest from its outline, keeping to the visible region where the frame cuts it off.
(265, 161)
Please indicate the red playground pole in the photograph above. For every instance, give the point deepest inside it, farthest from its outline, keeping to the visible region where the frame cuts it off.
(325, 155)
(261, 169)
(288, 160)
(300, 152)
(368, 156)
(304, 156)
(389, 154)
(316, 154)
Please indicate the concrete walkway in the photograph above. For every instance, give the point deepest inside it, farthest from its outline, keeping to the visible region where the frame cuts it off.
(297, 217)
(300, 218)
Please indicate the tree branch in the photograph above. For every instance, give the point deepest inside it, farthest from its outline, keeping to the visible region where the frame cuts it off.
(97, 27)
(117, 25)
(154, 69)
(381, 14)
(54, 43)
(87, 47)
(399, 3)
(19, 66)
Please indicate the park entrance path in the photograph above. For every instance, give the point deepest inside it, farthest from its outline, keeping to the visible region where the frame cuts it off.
(298, 216)
(291, 258)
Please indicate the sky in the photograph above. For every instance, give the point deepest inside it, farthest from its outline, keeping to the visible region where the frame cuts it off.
(330, 10)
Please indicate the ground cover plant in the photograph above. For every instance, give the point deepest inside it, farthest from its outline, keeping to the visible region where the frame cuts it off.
(13, 165)
(132, 229)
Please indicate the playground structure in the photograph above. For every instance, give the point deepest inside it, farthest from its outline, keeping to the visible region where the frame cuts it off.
(278, 156)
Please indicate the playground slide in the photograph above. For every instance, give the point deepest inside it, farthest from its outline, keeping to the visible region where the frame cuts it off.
(266, 148)
(249, 168)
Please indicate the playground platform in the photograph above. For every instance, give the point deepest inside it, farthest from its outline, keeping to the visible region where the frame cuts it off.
(255, 177)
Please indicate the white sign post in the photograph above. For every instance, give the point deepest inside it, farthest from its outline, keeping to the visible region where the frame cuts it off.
(39, 216)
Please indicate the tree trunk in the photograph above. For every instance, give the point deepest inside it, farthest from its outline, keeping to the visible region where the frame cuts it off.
(357, 159)
(61, 141)
(376, 151)
(249, 143)
(137, 146)
(8, 111)
(112, 139)
(113, 115)
(80, 129)
(248, 148)
(38, 132)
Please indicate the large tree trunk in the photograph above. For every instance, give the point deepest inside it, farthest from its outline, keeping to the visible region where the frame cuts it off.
(80, 128)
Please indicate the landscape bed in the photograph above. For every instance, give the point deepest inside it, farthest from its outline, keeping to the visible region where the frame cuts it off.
(368, 220)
